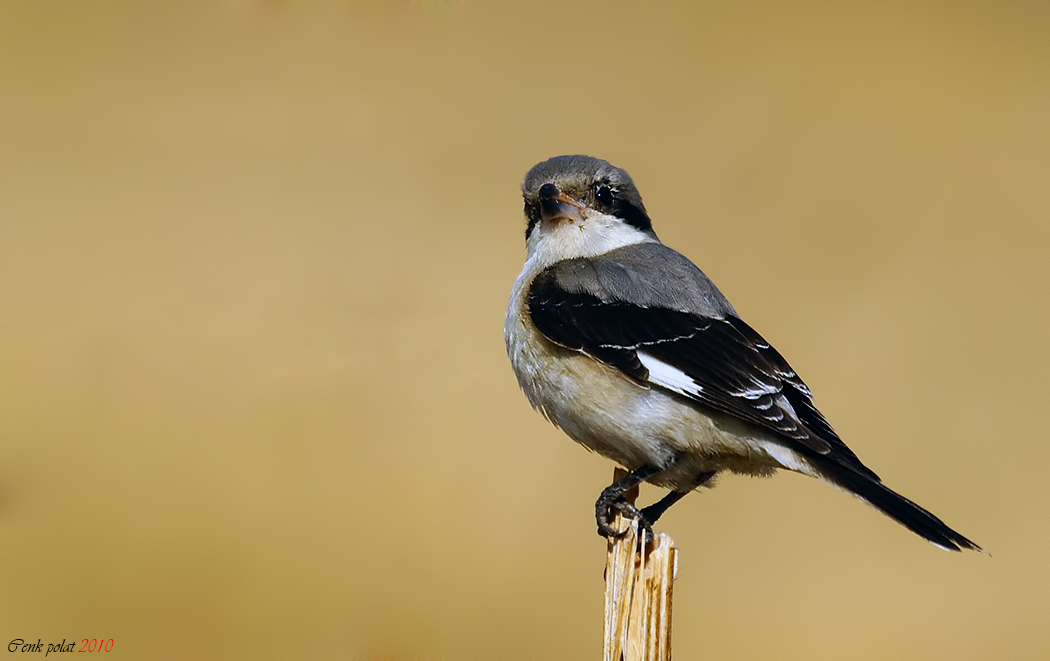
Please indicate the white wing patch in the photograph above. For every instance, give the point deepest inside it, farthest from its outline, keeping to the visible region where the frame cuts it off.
(669, 376)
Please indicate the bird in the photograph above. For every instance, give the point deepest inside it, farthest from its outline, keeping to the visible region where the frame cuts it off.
(631, 350)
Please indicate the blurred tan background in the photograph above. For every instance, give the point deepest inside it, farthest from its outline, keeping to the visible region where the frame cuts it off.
(254, 261)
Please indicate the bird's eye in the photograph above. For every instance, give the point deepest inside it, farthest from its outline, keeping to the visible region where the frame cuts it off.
(604, 195)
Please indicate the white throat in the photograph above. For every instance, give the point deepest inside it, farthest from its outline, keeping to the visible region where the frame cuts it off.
(594, 234)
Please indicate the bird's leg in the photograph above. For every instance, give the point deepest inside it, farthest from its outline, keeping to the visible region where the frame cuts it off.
(653, 513)
(612, 500)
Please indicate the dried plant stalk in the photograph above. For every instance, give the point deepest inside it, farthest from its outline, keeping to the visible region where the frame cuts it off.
(638, 587)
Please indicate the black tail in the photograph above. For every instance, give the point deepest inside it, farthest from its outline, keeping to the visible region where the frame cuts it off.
(897, 507)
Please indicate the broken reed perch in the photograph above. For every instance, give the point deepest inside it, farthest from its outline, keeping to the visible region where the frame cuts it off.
(638, 586)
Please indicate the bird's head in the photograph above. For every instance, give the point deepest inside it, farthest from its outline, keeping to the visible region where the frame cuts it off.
(579, 206)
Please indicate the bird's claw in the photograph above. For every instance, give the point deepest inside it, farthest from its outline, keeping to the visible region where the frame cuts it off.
(605, 512)
(606, 516)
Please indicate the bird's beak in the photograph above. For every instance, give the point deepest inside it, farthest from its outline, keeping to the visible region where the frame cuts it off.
(556, 205)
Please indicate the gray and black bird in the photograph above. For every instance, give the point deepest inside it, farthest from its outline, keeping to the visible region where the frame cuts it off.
(634, 353)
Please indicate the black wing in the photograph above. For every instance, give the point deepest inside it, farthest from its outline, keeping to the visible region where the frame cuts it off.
(720, 362)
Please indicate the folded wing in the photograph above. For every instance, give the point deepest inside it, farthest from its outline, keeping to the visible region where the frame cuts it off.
(688, 341)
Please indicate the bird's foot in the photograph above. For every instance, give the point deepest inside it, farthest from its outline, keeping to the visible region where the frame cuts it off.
(606, 515)
(613, 500)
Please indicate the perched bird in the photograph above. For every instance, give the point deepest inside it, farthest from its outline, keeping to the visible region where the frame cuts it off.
(634, 353)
